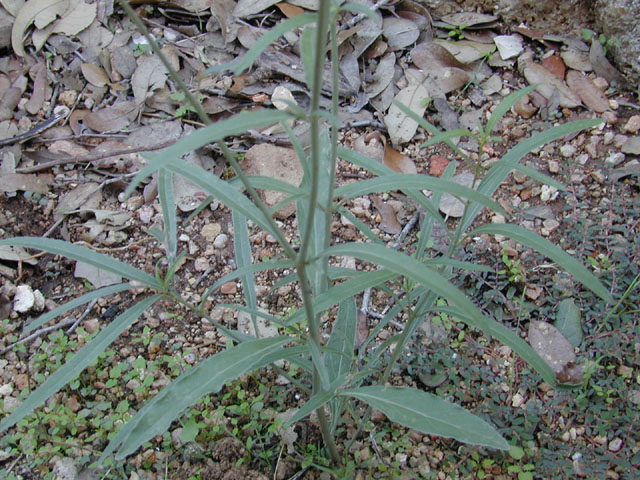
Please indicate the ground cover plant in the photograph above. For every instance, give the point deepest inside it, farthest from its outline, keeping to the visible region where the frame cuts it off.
(337, 379)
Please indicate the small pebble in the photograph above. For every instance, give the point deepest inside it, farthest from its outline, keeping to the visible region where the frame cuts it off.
(221, 241)
(210, 231)
(24, 299)
(554, 167)
(229, 288)
(567, 150)
(615, 158)
(615, 445)
(633, 124)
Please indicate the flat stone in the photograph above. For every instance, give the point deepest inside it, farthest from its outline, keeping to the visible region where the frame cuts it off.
(221, 241)
(615, 158)
(275, 162)
(210, 231)
(229, 288)
(24, 299)
(631, 146)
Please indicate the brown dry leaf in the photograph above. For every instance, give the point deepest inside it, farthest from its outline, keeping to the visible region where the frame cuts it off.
(370, 30)
(68, 148)
(362, 329)
(94, 74)
(525, 108)
(465, 51)
(194, 6)
(590, 95)
(552, 346)
(601, 65)
(86, 196)
(371, 145)
(389, 222)
(39, 74)
(150, 75)
(548, 83)
(555, 65)
(12, 182)
(444, 73)
(289, 10)
(97, 277)
(113, 118)
(40, 12)
(398, 162)
(399, 32)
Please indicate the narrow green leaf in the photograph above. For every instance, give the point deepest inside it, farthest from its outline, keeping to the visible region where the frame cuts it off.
(504, 106)
(86, 255)
(544, 246)
(235, 125)
(242, 248)
(307, 50)
(499, 171)
(168, 204)
(429, 414)
(259, 181)
(314, 403)
(568, 321)
(400, 181)
(76, 302)
(78, 362)
(207, 377)
(448, 135)
(407, 266)
(342, 340)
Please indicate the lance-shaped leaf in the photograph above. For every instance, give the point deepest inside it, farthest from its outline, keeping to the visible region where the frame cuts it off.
(402, 264)
(207, 377)
(429, 414)
(544, 246)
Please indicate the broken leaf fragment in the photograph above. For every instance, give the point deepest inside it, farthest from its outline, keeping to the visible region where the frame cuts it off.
(555, 350)
(401, 127)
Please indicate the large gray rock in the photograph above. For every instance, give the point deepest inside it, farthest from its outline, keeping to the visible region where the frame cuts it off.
(619, 20)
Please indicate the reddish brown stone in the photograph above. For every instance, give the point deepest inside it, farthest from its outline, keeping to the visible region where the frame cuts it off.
(437, 165)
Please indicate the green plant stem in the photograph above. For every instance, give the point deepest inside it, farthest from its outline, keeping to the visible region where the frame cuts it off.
(302, 260)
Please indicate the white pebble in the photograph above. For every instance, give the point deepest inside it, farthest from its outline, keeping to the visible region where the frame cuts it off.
(24, 299)
(221, 240)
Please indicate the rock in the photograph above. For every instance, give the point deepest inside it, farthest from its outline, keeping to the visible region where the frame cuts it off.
(633, 124)
(567, 150)
(11, 403)
(618, 21)
(632, 146)
(65, 469)
(24, 299)
(221, 241)
(615, 158)
(265, 327)
(437, 165)
(450, 205)
(6, 390)
(615, 444)
(229, 288)
(210, 231)
(275, 162)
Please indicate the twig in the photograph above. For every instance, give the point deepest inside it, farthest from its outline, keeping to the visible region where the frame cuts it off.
(38, 333)
(93, 157)
(92, 304)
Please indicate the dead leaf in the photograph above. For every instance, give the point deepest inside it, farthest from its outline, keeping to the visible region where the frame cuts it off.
(590, 95)
(383, 75)
(465, 51)
(548, 84)
(443, 72)
(12, 182)
(289, 10)
(399, 32)
(398, 162)
(97, 277)
(78, 16)
(508, 46)
(113, 118)
(468, 19)
(94, 74)
(42, 12)
(576, 60)
(14, 253)
(244, 8)
(401, 128)
(601, 65)
(150, 75)
(39, 73)
(389, 221)
(362, 329)
(86, 195)
(555, 350)
(555, 65)
(370, 30)
(371, 145)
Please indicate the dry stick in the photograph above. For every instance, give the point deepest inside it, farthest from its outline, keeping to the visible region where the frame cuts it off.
(94, 157)
(38, 333)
